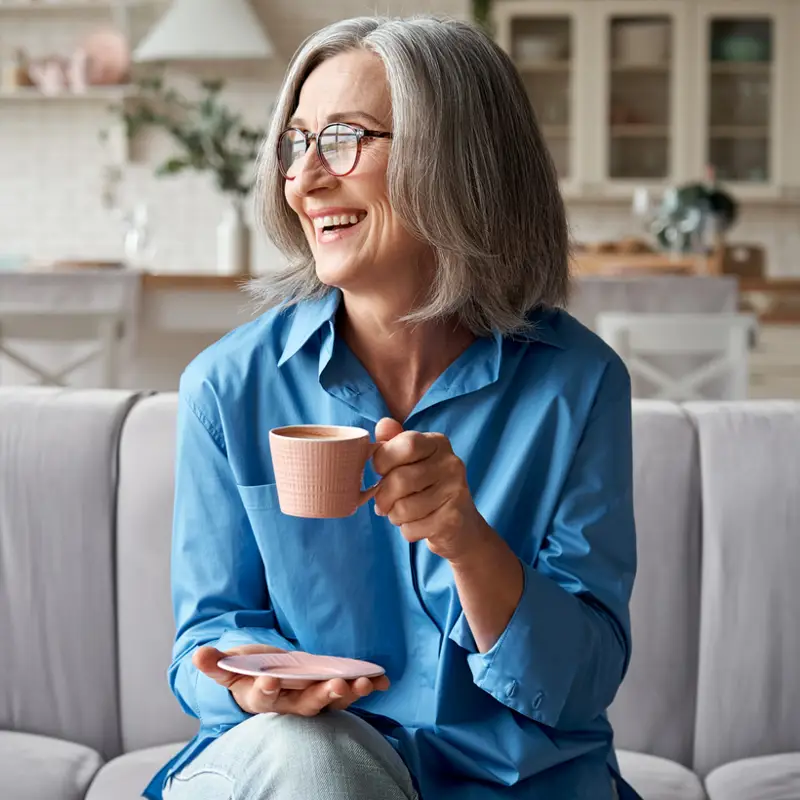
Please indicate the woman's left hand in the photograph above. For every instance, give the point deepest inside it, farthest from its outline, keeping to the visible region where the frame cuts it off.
(424, 491)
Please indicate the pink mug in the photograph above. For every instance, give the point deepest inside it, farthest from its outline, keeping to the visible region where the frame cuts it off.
(319, 469)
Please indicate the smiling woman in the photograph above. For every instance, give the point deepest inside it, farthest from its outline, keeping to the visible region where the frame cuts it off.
(406, 181)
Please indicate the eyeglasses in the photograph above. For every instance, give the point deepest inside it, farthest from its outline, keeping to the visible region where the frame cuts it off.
(338, 148)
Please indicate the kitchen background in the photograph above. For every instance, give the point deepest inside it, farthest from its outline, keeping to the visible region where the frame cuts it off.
(52, 161)
(674, 125)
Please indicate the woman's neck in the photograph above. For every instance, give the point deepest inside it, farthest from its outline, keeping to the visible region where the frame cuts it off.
(403, 360)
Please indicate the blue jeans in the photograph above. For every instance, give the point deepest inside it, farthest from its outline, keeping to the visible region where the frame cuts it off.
(335, 756)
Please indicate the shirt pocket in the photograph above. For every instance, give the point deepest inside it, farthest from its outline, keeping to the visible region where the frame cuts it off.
(330, 581)
(260, 498)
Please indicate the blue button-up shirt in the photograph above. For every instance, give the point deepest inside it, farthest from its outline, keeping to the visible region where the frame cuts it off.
(543, 424)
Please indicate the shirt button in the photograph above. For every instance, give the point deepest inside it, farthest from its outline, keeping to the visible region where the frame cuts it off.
(537, 701)
(511, 689)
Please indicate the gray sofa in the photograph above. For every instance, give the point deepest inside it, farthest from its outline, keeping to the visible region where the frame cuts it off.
(711, 703)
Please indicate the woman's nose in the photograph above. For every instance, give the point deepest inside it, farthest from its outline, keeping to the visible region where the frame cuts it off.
(311, 175)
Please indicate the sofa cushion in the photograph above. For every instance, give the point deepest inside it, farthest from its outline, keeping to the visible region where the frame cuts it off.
(58, 470)
(150, 714)
(765, 778)
(658, 778)
(125, 777)
(655, 706)
(37, 767)
(749, 681)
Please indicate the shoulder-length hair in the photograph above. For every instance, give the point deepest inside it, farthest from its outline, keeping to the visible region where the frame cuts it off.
(469, 173)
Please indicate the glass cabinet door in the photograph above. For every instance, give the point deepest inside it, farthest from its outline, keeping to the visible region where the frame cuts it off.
(540, 37)
(742, 64)
(642, 80)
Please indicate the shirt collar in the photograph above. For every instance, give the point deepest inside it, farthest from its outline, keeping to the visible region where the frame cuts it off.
(544, 328)
(310, 315)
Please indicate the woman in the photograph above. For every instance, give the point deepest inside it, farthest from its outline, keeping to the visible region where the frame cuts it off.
(408, 184)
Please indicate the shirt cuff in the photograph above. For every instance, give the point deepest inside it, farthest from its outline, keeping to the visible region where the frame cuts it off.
(216, 706)
(524, 670)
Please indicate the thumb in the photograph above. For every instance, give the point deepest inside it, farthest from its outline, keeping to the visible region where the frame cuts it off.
(206, 658)
(387, 429)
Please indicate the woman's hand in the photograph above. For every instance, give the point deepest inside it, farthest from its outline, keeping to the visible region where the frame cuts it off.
(424, 491)
(263, 694)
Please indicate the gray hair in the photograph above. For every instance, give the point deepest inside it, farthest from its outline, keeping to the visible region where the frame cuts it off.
(469, 173)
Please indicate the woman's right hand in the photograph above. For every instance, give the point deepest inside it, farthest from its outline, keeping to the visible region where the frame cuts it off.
(263, 694)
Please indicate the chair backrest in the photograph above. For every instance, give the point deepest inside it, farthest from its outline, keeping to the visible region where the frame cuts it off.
(712, 348)
(654, 710)
(58, 469)
(98, 331)
(749, 666)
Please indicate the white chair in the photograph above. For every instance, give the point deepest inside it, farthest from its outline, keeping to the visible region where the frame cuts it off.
(713, 349)
(96, 333)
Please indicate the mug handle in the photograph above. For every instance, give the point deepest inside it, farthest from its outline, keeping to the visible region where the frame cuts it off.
(367, 494)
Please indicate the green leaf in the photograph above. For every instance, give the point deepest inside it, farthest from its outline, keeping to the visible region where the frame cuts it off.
(172, 167)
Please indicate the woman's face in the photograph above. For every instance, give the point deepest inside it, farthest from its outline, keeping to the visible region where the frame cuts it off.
(352, 88)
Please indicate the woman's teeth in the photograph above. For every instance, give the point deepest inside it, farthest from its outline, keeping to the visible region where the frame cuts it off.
(337, 221)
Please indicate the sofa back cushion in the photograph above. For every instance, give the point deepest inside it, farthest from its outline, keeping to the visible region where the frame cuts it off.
(150, 713)
(655, 707)
(58, 471)
(749, 674)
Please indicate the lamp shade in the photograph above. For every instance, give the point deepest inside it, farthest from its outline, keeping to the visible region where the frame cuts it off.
(206, 30)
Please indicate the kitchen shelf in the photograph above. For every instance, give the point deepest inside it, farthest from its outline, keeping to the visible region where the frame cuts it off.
(739, 132)
(640, 69)
(639, 131)
(741, 67)
(93, 94)
(544, 66)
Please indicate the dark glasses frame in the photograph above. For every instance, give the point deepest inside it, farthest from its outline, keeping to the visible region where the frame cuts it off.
(309, 136)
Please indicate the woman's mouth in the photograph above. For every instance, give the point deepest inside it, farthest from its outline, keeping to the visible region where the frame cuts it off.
(331, 228)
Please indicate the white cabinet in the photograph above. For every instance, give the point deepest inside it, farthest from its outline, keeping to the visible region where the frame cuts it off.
(646, 92)
(743, 69)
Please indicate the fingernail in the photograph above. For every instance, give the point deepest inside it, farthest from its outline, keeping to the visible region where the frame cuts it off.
(335, 696)
(270, 692)
(378, 511)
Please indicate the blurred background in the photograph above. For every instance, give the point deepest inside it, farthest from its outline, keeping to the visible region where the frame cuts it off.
(128, 131)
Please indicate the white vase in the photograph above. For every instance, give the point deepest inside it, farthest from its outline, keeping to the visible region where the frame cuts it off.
(233, 242)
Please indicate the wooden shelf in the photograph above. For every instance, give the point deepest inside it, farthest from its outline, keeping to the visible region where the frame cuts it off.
(93, 94)
(640, 69)
(741, 68)
(640, 131)
(193, 281)
(544, 66)
(739, 132)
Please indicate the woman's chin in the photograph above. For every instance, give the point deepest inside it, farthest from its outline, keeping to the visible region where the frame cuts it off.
(340, 275)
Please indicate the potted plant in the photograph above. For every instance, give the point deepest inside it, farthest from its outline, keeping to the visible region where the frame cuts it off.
(210, 138)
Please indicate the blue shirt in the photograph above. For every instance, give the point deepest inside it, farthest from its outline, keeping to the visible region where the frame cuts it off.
(543, 424)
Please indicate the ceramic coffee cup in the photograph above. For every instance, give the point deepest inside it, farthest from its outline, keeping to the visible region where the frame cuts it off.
(319, 469)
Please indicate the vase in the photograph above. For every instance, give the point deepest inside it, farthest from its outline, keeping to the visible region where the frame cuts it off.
(233, 242)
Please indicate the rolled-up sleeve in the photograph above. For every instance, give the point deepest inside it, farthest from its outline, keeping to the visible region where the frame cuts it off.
(219, 589)
(566, 648)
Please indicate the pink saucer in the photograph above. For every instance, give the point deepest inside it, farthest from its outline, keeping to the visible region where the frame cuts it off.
(299, 670)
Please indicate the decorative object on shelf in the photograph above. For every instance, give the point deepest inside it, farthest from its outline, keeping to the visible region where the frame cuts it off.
(694, 218)
(108, 58)
(15, 74)
(641, 42)
(539, 48)
(212, 138)
(206, 30)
